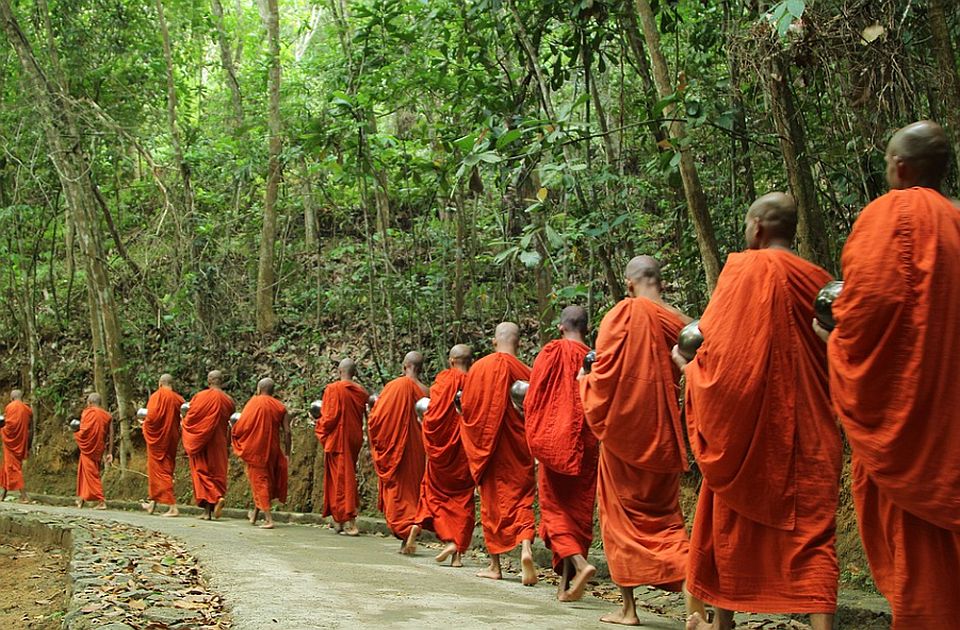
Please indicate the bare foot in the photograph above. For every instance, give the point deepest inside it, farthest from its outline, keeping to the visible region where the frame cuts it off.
(579, 584)
(621, 618)
(490, 573)
(204, 517)
(218, 509)
(696, 622)
(24, 498)
(252, 516)
(172, 512)
(350, 531)
(78, 503)
(528, 570)
(149, 506)
(410, 546)
(448, 551)
(457, 560)
(267, 525)
(100, 506)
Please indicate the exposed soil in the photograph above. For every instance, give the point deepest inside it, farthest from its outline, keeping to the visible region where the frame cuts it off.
(33, 593)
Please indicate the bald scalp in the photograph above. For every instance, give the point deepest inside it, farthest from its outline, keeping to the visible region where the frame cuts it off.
(215, 378)
(94, 400)
(574, 319)
(166, 380)
(265, 386)
(777, 213)
(348, 368)
(507, 332)
(461, 352)
(643, 269)
(16, 395)
(923, 146)
(414, 360)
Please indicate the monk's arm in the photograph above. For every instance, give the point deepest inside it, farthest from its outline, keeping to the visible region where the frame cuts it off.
(287, 437)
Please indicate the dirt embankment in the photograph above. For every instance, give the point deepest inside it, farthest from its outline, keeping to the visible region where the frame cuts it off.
(34, 590)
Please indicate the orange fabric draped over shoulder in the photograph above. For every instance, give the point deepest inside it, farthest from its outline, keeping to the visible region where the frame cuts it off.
(766, 441)
(566, 449)
(630, 402)
(340, 431)
(496, 447)
(893, 380)
(205, 434)
(16, 444)
(91, 438)
(446, 496)
(256, 440)
(396, 445)
(161, 432)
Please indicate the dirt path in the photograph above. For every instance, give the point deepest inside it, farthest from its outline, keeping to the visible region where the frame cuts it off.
(33, 595)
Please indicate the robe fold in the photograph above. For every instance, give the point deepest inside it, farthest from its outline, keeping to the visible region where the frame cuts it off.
(396, 446)
(893, 380)
(566, 449)
(91, 438)
(256, 440)
(16, 444)
(496, 447)
(446, 496)
(205, 435)
(630, 403)
(765, 438)
(340, 431)
(161, 432)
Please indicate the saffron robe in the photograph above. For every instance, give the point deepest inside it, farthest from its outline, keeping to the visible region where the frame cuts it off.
(496, 446)
(340, 431)
(91, 438)
(16, 444)
(161, 432)
(446, 496)
(630, 402)
(256, 440)
(205, 434)
(566, 449)
(766, 441)
(396, 446)
(894, 385)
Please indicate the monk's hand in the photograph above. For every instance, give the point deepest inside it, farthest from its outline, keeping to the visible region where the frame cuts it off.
(822, 332)
(108, 459)
(581, 374)
(679, 359)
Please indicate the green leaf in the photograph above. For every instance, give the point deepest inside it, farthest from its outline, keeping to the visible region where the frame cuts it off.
(675, 160)
(489, 157)
(553, 238)
(530, 259)
(466, 143)
(508, 137)
(796, 8)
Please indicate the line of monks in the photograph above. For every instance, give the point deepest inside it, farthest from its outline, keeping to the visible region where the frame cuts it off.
(760, 404)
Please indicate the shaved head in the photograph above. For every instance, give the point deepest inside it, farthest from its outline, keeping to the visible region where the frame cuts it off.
(506, 337)
(166, 380)
(771, 218)
(16, 395)
(347, 368)
(918, 155)
(461, 356)
(94, 400)
(265, 386)
(643, 269)
(574, 319)
(215, 378)
(413, 360)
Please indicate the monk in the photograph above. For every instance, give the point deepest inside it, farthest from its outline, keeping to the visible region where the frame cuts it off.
(396, 445)
(206, 430)
(894, 384)
(161, 432)
(256, 437)
(340, 431)
(94, 439)
(498, 455)
(561, 441)
(764, 435)
(16, 434)
(630, 403)
(447, 494)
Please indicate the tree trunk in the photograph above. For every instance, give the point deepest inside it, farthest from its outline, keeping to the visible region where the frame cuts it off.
(812, 242)
(226, 60)
(174, 129)
(309, 210)
(266, 274)
(947, 64)
(693, 190)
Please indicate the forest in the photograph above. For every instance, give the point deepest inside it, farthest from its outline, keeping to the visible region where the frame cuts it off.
(267, 187)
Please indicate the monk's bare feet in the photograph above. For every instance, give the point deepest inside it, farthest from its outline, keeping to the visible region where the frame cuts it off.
(24, 498)
(350, 529)
(205, 516)
(267, 525)
(252, 516)
(491, 573)
(410, 546)
(528, 570)
(578, 585)
(79, 503)
(100, 506)
(218, 509)
(3, 494)
(448, 551)
(172, 512)
(696, 622)
(622, 618)
(149, 506)
(457, 560)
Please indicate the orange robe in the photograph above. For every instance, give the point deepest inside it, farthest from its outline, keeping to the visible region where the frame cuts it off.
(340, 431)
(893, 379)
(91, 438)
(496, 447)
(630, 402)
(396, 445)
(256, 440)
(766, 441)
(206, 428)
(161, 432)
(562, 442)
(16, 444)
(446, 496)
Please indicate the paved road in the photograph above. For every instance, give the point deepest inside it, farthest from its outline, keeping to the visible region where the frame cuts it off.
(300, 577)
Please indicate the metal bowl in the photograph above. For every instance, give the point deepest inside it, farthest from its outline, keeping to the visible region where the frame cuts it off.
(458, 401)
(588, 361)
(184, 408)
(518, 391)
(421, 406)
(3, 421)
(234, 418)
(690, 340)
(141, 414)
(823, 303)
(315, 408)
(372, 400)
(74, 425)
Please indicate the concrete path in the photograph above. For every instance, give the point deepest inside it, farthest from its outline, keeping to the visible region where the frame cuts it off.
(300, 577)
